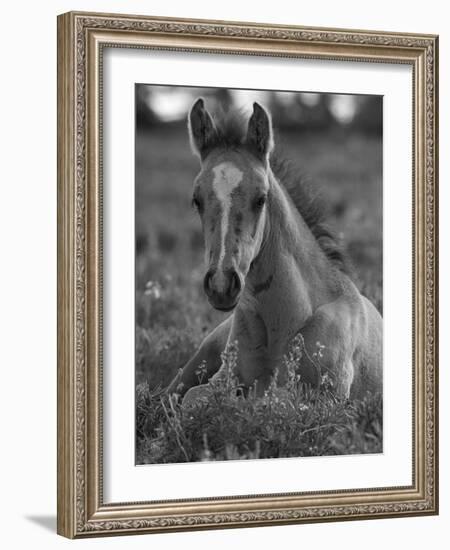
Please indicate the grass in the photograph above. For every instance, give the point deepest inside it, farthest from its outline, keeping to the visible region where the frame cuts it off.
(288, 421)
(173, 316)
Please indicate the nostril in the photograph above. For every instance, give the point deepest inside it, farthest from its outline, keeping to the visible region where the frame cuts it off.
(207, 283)
(235, 284)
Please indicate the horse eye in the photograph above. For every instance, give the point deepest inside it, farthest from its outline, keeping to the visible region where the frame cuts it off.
(260, 202)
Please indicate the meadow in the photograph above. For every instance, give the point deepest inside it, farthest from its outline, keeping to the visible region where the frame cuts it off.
(173, 315)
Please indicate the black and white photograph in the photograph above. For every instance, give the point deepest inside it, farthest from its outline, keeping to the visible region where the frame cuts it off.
(258, 275)
(247, 283)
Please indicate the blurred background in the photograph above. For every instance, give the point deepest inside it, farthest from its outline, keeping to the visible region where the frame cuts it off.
(336, 142)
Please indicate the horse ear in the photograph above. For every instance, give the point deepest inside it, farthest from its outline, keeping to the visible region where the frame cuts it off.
(259, 134)
(202, 130)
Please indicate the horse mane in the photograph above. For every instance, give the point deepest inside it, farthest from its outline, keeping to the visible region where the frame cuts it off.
(231, 130)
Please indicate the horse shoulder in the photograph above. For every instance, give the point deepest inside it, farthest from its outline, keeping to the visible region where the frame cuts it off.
(208, 354)
(340, 318)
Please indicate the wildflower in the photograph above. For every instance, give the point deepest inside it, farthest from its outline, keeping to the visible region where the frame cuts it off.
(153, 290)
(292, 359)
(326, 382)
(320, 347)
(200, 371)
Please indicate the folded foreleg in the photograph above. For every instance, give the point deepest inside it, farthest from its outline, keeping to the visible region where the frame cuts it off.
(204, 363)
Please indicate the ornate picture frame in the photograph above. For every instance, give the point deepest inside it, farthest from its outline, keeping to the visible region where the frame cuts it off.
(82, 38)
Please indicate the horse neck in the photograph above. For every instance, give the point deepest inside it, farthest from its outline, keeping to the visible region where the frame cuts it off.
(290, 261)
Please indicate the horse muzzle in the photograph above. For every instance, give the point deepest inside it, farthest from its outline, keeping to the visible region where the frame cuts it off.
(223, 288)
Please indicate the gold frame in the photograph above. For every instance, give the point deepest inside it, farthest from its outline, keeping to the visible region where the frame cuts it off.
(81, 37)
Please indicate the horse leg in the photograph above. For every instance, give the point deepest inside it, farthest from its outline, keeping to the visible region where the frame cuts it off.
(207, 354)
(368, 359)
(351, 333)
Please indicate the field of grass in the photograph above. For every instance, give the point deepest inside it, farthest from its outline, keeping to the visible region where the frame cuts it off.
(173, 316)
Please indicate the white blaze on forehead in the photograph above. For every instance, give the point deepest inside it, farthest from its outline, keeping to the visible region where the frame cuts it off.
(226, 178)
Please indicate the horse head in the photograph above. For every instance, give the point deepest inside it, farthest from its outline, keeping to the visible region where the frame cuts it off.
(230, 195)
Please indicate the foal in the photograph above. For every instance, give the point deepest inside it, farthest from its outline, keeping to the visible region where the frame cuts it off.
(273, 265)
